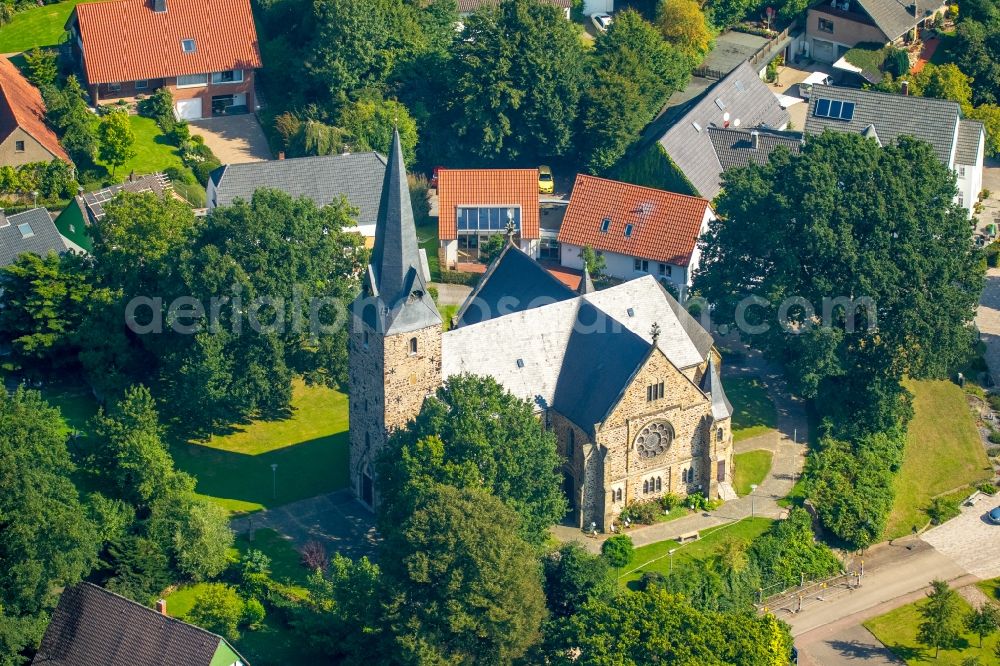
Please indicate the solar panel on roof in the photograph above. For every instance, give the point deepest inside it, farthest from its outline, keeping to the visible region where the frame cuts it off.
(847, 111)
(835, 108)
(822, 108)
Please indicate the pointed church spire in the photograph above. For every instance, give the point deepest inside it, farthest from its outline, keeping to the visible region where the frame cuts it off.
(586, 284)
(395, 252)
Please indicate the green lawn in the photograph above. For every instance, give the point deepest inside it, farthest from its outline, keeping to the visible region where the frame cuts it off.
(427, 235)
(655, 557)
(991, 588)
(286, 562)
(750, 469)
(310, 449)
(447, 312)
(153, 151)
(38, 26)
(754, 413)
(898, 630)
(943, 452)
(271, 645)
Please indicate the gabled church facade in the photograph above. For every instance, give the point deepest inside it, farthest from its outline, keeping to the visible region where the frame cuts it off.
(627, 380)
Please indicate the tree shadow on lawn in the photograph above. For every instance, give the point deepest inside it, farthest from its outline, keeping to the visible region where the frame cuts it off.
(244, 482)
(853, 650)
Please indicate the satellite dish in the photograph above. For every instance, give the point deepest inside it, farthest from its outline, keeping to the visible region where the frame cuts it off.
(725, 116)
(736, 123)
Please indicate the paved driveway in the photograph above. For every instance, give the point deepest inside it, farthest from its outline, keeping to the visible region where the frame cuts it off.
(234, 139)
(988, 321)
(970, 539)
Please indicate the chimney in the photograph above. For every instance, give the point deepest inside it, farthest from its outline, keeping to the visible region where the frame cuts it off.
(913, 9)
(160, 6)
(754, 139)
(904, 87)
(281, 154)
(161, 606)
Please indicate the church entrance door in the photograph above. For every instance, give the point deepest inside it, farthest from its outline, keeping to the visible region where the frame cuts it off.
(722, 470)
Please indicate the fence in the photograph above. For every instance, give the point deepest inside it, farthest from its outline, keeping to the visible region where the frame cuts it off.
(795, 599)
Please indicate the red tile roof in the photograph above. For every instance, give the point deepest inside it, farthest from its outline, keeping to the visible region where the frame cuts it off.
(665, 224)
(487, 187)
(21, 106)
(125, 40)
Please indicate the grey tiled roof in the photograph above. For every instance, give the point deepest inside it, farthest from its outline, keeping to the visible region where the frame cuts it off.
(735, 147)
(40, 236)
(513, 282)
(932, 120)
(970, 135)
(894, 18)
(745, 98)
(94, 627)
(358, 176)
(577, 355)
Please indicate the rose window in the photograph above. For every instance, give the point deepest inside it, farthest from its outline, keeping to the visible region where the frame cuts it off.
(654, 439)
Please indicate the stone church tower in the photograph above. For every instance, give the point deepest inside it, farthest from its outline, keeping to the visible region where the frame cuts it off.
(395, 337)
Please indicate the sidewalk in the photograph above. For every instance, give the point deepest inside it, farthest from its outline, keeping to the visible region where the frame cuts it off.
(789, 459)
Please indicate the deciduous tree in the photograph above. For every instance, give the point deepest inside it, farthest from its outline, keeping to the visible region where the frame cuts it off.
(941, 625)
(573, 577)
(218, 608)
(116, 140)
(684, 25)
(983, 621)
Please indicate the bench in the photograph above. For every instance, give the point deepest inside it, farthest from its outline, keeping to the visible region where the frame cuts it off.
(972, 499)
(688, 536)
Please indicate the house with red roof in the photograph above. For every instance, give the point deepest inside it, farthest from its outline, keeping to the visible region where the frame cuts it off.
(474, 204)
(204, 51)
(639, 230)
(24, 136)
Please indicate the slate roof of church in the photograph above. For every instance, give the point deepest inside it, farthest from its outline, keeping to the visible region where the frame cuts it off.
(43, 236)
(932, 120)
(94, 627)
(745, 98)
(513, 282)
(395, 298)
(357, 176)
(711, 385)
(578, 354)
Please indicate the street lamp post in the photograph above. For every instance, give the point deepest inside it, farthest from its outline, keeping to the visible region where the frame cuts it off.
(671, 553)
(753, 488)
(274, 480)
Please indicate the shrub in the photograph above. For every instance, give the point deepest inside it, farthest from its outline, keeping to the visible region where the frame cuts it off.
(651, 579)
(253, 614)
(941, 510)
(314, 556)
(669, 501)
(993, 451)
(203, 170)
(994, 400)
(617, 550)
(160, 107)
(218, 608)
(435, 294)
(697, 502)
(992, 253)
(987, 488)
(460, 277)
(643, 512)
(994, 436)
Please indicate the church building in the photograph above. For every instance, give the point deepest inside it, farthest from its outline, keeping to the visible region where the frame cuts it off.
(627, 380)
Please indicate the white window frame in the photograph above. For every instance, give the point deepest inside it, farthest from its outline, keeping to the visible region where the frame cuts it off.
(641, 265)
(223, 83)
(664, 270)
(961, 171)
(194, 46)
(204, 81)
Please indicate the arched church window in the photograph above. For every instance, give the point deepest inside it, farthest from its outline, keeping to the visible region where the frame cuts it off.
(612, 496)
(365, 339)
(571, 443)
(718, 434)
(618, 494)
(659, 484)
(645, 487)
(413, 346)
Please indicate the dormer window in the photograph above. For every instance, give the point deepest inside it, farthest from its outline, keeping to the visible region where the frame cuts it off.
(187, 45)
(605, 225)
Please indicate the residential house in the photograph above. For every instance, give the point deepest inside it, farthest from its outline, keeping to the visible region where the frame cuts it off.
(87, 208)
(639, 230)
(466, 7)
(94, 627)
(739, 101)
(324, 179)
(834, 26)
(24, 136)
(205, 53)
(625, 378)
(30, 231)
(474, 204)
(958, 142)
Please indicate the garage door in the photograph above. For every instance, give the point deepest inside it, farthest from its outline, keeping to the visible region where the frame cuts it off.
(189, 109)
(824, 51)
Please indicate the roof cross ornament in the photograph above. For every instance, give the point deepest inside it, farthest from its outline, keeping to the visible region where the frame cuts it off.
(655, 332)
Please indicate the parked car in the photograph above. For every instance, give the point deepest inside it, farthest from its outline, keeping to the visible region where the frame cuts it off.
(601, 21)
(545, 183)
(994, 516)
(814, 79)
